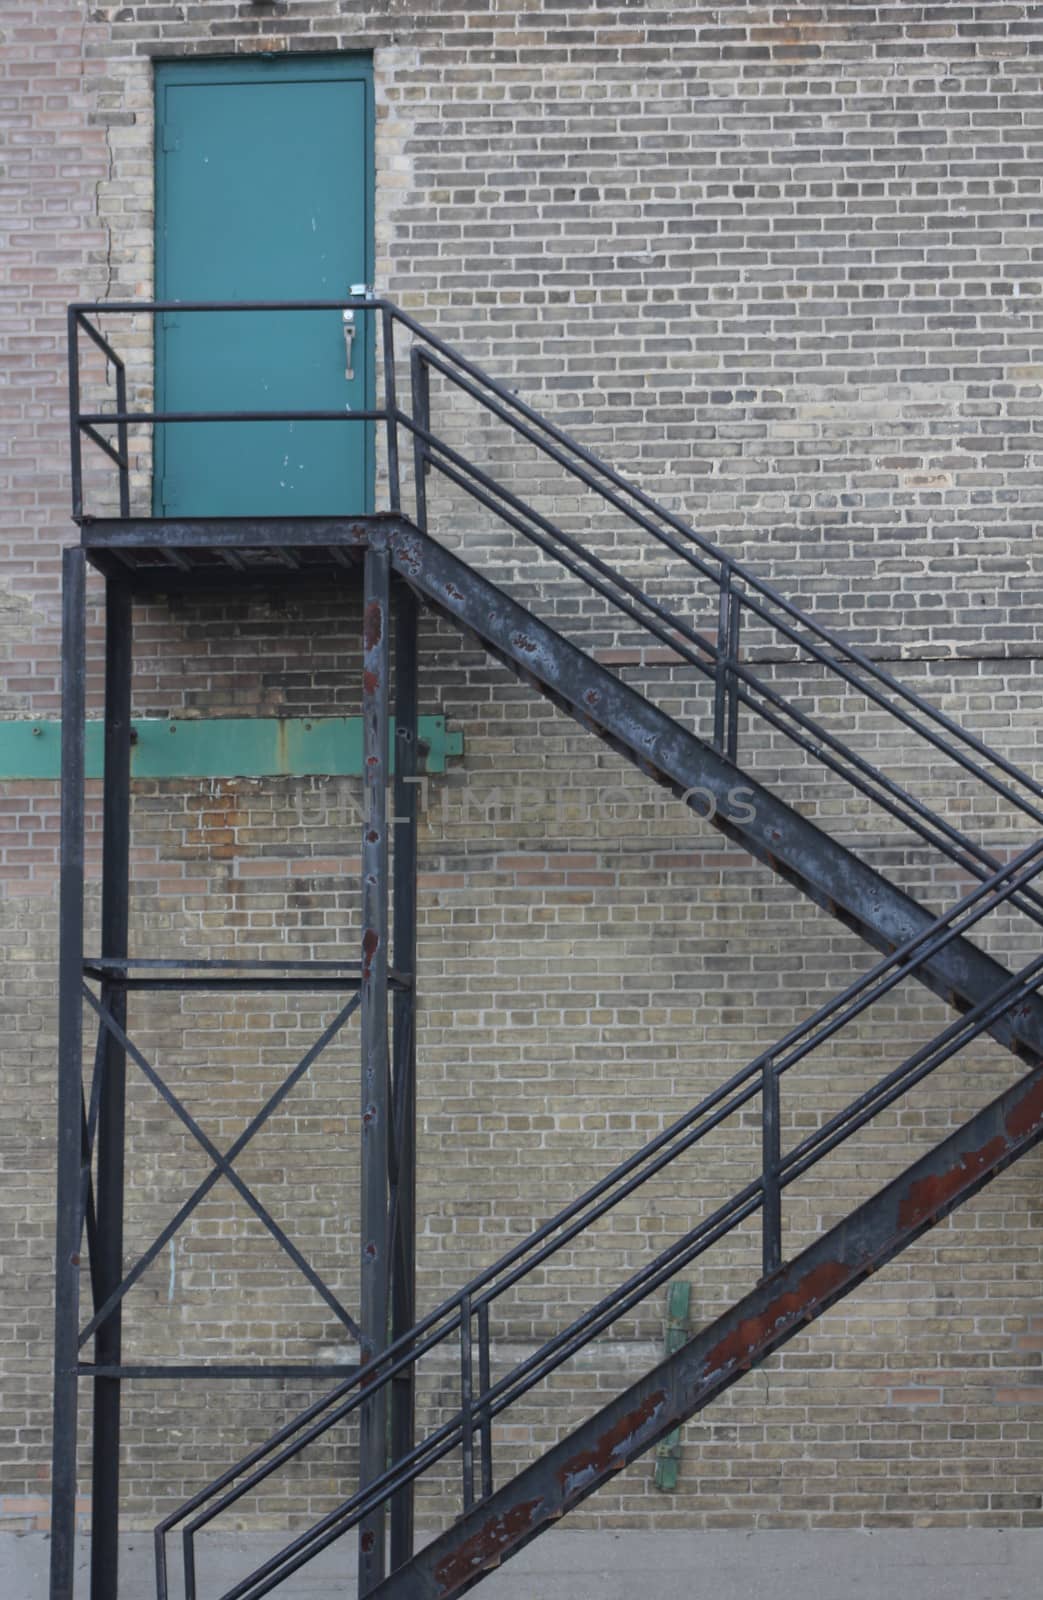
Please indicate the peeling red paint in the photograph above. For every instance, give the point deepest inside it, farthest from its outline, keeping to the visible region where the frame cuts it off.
(370, 946)
(929, 1194)
(592, 697)
(370, 682)
(373, 837)
(453, 592)
(370, 1252)
(486, 1546)
(793, 1305)
(613, 1448)
(522, 641)
(373, 625)
(1027, 1114)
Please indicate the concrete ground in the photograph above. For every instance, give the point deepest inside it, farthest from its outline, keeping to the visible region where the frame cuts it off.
(934, 1564)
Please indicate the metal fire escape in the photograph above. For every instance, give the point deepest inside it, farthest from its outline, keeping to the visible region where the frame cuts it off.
(403, 566)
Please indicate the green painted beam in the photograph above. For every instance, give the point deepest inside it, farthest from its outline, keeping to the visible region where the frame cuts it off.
(221, 747)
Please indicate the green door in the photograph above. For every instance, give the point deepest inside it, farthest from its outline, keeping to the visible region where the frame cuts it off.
(263, 192)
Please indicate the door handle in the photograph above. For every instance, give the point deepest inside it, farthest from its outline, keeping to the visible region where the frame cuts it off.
(349, 340)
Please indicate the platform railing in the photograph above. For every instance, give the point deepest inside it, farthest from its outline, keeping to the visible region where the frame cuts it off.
(740, 597)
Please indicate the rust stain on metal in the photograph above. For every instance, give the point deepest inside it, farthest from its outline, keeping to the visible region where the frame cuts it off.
(486, 1546)
(367, 1542)
(791, 1306)
(522, 641)
(370, 682)
(373, 625)
(453, 592)
(930, 1194)
(372, 837)
(370, 946)
(613, 1448)
(1027, 1114)
(592, 697)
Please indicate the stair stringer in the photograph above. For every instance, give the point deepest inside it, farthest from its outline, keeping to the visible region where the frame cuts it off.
(723, 1352)
(792, 846)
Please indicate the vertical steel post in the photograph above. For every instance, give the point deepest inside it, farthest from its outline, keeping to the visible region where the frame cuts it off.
(115, 910)
(403, 1004)
(771, 1153)
(420, 382)
(70, 1079)
(374, 1029)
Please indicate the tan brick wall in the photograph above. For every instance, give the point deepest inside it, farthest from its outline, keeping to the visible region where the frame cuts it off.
(782, 264)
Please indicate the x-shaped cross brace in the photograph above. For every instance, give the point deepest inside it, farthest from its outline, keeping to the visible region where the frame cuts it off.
(222, 1166)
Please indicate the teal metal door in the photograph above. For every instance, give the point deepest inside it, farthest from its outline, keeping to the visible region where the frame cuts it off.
(263, 192)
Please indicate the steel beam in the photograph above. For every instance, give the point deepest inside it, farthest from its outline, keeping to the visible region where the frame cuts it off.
(375, 1109)
(115, 911)
(723, 1352)
(70, 1079)
(403, 1240)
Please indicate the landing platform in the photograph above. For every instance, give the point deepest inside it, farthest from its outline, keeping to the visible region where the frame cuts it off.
(166, 555)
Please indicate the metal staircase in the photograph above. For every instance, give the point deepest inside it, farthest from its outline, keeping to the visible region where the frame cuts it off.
(702, 759)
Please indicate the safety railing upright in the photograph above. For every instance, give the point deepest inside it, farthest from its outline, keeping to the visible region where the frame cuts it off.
(466, 1314)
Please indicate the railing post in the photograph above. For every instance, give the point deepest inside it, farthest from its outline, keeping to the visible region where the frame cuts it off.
(123, 436)
(726, 699)
(387, 323)
(373, 1442)
(720, 684)
(420, 380)
(75, 452)
(731, 734)
(467, 1400)
(70, 1079)
(484, 1385)
(771, 1155)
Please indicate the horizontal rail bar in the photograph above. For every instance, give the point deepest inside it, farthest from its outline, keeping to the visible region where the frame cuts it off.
(151, 308)
(86, 417)
(209, 964)
(156, 1371)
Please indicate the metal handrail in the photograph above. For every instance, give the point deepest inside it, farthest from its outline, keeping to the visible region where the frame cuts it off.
(761, 1076)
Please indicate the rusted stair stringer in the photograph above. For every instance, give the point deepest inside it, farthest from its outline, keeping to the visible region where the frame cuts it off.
(720, 1354)
(792, 846)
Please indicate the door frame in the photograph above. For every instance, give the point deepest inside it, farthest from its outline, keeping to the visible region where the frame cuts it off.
(343, 66)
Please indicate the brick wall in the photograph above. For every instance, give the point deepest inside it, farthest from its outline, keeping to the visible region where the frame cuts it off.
(781, 263)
